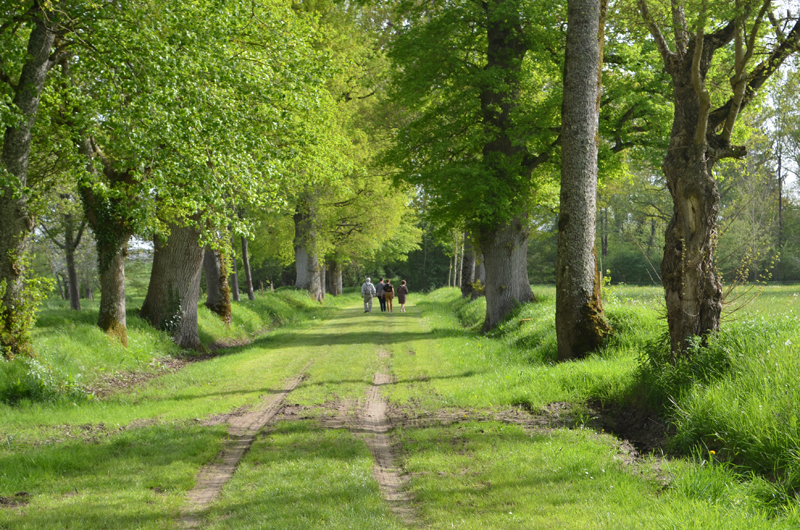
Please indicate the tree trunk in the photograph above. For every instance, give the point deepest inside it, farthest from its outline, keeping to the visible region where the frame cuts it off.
(480, 276)
(16, 222)
(108, 220)
(71, 242)
(693, 291)
(336, 278)
(467, 268)
(580, 323)
(248, 278)
(506, 258)
(305, 252)
(218, 294)
(61, 292)
(112, 318)
(235, 275)
(171, 301)
(89, 292)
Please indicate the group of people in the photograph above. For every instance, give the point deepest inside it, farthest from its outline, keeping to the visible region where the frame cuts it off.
(385, 293)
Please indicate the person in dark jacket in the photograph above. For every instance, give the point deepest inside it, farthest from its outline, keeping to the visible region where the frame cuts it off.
(388, 294)
(402, 292)
(381, 299)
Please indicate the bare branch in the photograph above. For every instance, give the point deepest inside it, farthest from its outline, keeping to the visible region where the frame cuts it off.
(663, 48)
(51, 236)
(758, 76)
(742, 57)
(776, 26)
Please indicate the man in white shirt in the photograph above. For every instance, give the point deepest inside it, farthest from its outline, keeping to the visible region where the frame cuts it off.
(368, 291)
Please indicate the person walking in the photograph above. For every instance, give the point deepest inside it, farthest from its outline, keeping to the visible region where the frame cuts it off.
(402, 292)
(388, 294)
(381, 299)
(368, 291)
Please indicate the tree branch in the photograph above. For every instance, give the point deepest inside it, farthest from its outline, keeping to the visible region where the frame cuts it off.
(663, 48)
(742, 57)
(759, 76)
(680, 28)
(51, 237)
(697, 79)
(80, 233)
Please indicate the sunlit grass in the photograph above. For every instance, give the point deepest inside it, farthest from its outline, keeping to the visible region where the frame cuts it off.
(300, 476)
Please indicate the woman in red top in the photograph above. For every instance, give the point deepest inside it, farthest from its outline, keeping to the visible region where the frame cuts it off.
(401, 295)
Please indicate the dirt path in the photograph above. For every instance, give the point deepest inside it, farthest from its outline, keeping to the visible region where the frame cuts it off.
(373, 425)
(242, 432)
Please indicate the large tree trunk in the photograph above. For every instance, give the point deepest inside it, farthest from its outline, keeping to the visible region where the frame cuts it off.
(305, 252)
(693, 291)
(171, 301)
(467, 268)
(506, 160)
(580, 323)
(109, 221)
(218, 293)
(112, 318)
(16, 222)
(248, 277)
(506, 256)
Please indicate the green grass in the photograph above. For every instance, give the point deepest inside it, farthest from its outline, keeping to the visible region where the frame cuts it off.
(127, 460)
(494, 475)
(301, 477)
(136, 479)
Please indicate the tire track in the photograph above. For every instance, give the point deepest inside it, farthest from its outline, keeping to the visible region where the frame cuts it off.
(372, 424)
(242, 432)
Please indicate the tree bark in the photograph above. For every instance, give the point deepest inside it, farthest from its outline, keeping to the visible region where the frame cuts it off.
(218, 293)
(506, 255)
(16, 222)
(305, 251)
(248, 278)
(467, 267)
(334, 277)
(112, 318)
(108, 219)
(174, 288)
(580, 323)
(506, 160)
(71, 242)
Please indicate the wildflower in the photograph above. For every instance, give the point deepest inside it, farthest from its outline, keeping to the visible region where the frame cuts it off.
(712, 452)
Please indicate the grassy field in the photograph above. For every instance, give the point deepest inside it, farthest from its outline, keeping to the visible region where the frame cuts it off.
(126, 458)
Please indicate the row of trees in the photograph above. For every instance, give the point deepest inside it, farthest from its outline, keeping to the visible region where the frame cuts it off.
(483, 136)
(191, 125)
(194, 124)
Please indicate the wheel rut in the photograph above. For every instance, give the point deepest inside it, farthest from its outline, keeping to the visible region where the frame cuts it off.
(242, 432)
(372, 424)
